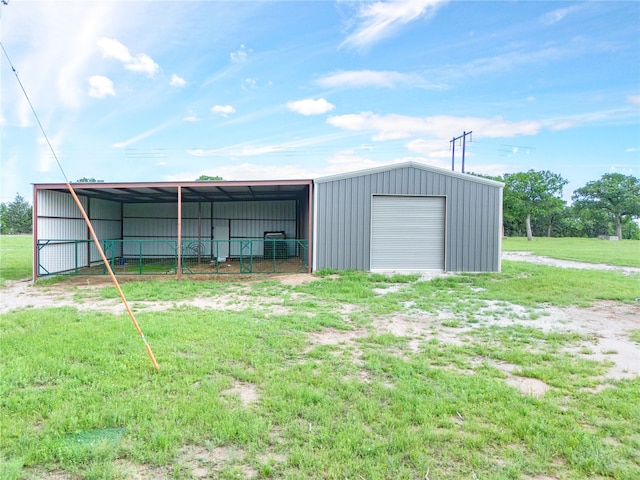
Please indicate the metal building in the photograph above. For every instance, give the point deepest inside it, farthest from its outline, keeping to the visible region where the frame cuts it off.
(179, 227)
(407, 217)
(404, 217)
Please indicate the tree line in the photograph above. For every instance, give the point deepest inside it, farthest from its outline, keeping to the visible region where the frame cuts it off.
(533, 206)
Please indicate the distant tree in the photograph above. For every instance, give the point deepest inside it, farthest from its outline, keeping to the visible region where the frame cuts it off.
(530, 194)
(15, 217)
(614, 193)
(207, 178)
(88, 180)
(549, 221)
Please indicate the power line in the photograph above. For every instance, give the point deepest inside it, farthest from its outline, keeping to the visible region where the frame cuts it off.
(87, 221)
(34, 110)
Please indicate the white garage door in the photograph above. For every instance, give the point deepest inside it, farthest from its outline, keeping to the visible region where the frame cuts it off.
(407, 233)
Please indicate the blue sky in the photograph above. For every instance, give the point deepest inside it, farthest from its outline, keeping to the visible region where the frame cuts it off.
(171, 90)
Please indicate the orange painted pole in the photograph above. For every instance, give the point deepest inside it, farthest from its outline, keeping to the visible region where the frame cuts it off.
(113, 277)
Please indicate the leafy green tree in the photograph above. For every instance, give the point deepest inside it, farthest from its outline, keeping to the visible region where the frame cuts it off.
(530, 194)
(15, 217)
(207, 178)
(614, 193)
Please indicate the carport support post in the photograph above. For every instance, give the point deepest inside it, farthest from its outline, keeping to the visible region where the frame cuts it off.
(179, 267)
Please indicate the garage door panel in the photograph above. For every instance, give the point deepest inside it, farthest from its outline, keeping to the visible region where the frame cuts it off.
(407, 233)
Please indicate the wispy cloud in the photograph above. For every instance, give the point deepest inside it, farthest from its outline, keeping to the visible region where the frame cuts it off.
(379, 20)
(373, 78)
(612, 116)
(224, 110)
(558, 14)
(139, 63)
(393, 127)
(141, 136)
(101, 87)
(255, 148)
(309, 106)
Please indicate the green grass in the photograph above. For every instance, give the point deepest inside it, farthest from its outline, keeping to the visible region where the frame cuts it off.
(16, 252)
(624, 253)
(78, 394)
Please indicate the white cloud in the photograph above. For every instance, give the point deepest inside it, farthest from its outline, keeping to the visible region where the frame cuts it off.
(634, 100)
(240, 56)
(310, 106)
(177, 81)
(114, 49)
(142, 63)
(139, 63)
(380, 20)
(431, 148)
(390, 127)
(224, 110)
(372, 78)
(101, 87)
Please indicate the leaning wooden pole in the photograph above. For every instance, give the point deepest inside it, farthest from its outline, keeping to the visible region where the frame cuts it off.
(112, 275)
(84, 215)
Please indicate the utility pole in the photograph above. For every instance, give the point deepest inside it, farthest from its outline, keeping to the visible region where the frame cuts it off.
(453, 152)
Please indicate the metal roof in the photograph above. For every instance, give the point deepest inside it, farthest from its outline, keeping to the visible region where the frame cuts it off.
(420, 166)
(215, 191)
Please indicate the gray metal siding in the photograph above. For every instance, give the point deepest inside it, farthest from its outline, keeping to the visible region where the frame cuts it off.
(343, 208)
(59, 218)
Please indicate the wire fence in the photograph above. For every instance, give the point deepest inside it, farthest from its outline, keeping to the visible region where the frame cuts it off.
(160, 257)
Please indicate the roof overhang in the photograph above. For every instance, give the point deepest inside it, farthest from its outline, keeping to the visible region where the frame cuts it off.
(166, 192)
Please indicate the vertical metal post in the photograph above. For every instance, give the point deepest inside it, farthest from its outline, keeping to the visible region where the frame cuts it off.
(310, 210)
(179, 272)
(199, 230)
(453, 154)
(464, 140)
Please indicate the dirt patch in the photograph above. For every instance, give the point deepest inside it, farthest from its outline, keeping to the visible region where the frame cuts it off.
(141, 472)
(607, 326)
(333, 336)
(528, 386)
(247, 392)
(203, 462)
(293, 280)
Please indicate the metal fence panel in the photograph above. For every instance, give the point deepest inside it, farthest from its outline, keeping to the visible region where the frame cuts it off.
(160, 257)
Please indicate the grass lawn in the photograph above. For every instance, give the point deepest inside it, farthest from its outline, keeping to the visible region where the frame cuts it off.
(16, 252)
(590, 250)
(257, 390)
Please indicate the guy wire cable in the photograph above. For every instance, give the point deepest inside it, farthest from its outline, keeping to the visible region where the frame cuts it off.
(86, 219)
